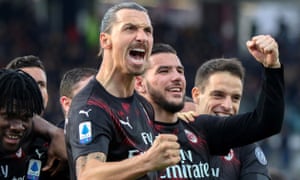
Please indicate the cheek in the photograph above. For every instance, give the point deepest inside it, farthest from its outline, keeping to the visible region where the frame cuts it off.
(236, 107)
(150, 41)
(3, 124)
(212, 103)
(27, 125)
(157, 81)
(44, 92)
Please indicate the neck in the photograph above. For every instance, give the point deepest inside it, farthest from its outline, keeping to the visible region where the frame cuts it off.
(115, 81)
(116, 85)
(164, 116)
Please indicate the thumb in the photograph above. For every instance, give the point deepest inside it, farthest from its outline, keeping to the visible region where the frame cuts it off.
(49, 164)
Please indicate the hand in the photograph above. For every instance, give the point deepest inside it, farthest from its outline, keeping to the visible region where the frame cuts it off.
(56, 152)
(164, 152)
(188, 116)
(265, 50)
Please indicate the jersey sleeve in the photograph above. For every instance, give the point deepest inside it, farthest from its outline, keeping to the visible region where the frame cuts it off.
(253, 162)
(89, 129)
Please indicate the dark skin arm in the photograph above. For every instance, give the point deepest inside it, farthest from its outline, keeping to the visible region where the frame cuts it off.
(57, 149)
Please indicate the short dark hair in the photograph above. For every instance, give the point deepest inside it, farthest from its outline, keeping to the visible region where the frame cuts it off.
(231, 65)
(110, 16)
(25, 61)
(162, 48)
(73, 76)
(19, 93)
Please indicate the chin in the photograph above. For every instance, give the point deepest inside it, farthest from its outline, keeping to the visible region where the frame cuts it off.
(11, 149)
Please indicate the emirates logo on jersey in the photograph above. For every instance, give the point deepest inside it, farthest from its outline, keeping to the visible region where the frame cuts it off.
(191, 136)
(229, 156)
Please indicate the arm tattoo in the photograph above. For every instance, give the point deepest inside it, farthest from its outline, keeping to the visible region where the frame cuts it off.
(80, 164)
(82, 160)
(98, 156)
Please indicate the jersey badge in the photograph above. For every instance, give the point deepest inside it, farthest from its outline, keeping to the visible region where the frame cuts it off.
(85, 132)
(34, 169)
(191, 136)
(260, 156)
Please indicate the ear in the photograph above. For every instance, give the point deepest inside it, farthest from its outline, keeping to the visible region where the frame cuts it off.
(195, 94)
(65, 103)
(105, 40)
(139, 85)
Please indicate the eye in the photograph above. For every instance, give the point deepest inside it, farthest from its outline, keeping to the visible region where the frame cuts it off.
(180, 70)
(42, 84)
(163, 70)
(236, 98)
(26, 118)
(130, 28)
(148, 30)
(218, 95)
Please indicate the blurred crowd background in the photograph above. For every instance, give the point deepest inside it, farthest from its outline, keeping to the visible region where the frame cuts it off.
(64, 34)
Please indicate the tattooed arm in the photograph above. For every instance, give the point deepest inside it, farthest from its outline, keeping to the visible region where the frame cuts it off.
(82, 160)
(56, 138)
(163, 153)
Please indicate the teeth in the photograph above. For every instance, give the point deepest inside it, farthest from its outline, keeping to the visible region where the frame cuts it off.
(139, 50)
(175, 89)
(222, 115)
(13, 137)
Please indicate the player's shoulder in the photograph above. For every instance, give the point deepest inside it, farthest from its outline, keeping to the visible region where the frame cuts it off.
(252, 151)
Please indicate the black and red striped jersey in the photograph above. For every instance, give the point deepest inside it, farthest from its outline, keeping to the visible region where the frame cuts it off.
(100, 122)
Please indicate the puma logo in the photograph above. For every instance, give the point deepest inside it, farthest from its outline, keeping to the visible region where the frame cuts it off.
(38, 153)
(86, 113)
(19, 153)
(126, 123)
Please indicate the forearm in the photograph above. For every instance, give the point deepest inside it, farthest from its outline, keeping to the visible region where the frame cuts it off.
(131, 168)
(43, 128)
(265, 50)
(163, 153)
(267, 118)
(273, 113)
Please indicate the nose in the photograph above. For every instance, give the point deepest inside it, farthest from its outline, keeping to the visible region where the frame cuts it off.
(141, 35)
(178, 79)
(227, 104)
(16, 124)
(178, 76)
